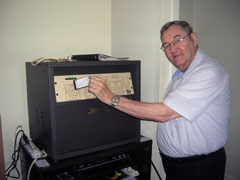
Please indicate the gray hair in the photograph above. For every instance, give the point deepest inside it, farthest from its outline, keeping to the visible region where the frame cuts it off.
(185, 26)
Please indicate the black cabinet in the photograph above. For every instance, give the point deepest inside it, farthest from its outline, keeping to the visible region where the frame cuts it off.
(66, 122)
(100, 165)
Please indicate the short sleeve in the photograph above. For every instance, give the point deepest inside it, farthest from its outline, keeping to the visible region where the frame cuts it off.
(195, 92)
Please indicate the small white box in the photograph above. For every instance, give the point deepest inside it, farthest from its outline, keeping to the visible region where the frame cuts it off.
(81, 83)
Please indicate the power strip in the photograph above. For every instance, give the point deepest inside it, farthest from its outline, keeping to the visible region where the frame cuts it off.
(31, 148)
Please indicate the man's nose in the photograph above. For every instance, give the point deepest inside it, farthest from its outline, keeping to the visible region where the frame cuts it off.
(173, 48)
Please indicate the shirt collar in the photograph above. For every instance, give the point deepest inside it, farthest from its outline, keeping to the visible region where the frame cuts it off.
(177, 74)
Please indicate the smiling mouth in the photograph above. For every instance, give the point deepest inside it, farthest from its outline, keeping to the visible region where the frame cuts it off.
(176, 55)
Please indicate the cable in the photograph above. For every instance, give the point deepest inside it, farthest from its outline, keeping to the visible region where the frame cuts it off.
(30, 168)
(49, 59)
(15, 156)
(18, 127)
(156, 170)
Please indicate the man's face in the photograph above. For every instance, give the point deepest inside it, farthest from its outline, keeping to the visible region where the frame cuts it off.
(182, 53)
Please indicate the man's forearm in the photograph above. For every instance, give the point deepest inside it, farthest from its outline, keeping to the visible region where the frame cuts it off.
(149, 111)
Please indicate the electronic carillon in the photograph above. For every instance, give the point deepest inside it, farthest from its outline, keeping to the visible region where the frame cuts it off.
(66, 120)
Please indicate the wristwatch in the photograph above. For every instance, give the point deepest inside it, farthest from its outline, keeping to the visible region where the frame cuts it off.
(115, 100)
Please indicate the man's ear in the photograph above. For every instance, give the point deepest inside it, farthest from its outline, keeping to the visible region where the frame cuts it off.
(194, 38)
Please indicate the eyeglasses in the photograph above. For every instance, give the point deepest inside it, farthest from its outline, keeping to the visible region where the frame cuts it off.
(176, 42)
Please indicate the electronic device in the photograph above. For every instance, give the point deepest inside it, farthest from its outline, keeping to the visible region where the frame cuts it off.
(30, 147)
(81, 82)
(66, 122)
(64, 176)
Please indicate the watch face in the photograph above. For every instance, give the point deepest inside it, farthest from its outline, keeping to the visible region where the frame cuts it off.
(115, 100)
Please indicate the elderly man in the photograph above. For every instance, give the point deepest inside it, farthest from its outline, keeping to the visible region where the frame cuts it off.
(193, 119)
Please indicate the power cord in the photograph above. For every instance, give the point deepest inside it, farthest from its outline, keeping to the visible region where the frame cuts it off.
(15, 156)
(30, 168)
(50, 59)
(156, 170)
(29, 146)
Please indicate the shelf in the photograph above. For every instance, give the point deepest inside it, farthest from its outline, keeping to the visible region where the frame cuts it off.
(98, 165)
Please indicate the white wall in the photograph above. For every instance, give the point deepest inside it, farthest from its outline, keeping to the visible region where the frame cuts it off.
(31, 29)
(135, 33)
(217, 25)
(136, 28)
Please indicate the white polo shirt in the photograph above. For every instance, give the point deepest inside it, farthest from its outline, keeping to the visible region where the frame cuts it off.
(202, 97)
